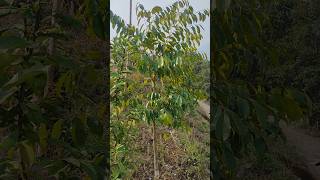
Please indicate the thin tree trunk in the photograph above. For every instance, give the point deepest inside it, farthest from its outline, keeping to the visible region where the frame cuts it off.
(72, 7)
(53, 23)
(155, 163)
(23, 174)
(51, 49)
(21, 96)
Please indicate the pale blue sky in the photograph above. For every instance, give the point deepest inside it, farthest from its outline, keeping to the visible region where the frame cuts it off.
(121, 8)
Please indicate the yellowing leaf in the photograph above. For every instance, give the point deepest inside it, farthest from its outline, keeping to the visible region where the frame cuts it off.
(43, 136)
(27, 152)
(166, 119)
(156, 9)
(166, 136)
(56, 130)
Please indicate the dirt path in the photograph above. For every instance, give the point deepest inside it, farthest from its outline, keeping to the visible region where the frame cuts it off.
(308, 147)
(204, 109)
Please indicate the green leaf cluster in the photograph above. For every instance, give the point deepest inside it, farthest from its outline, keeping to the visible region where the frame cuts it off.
(52, 107)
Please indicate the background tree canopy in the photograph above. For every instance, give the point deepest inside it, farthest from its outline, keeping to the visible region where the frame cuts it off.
(295, 30)
(246, 106)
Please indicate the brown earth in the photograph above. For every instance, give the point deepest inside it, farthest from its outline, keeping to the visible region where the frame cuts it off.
(204, 109)
(179, 151)
(307, 147)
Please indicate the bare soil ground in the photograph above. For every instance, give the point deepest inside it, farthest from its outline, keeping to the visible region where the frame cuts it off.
(204, 109)
(307, 147)
(183, 154)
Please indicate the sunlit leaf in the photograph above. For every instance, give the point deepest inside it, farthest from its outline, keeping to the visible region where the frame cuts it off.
(156, 9)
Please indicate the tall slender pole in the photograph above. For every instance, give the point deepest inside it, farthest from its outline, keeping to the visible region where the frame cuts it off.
(130, 23)
(130, 20)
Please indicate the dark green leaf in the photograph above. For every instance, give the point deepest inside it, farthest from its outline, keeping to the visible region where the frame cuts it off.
(4, 94)
(221, 5)
(229, 157)
(9, 141)
(98, 26)
(244, 107)
(3, 3)
(287, 106)
(223, 127)
(262, 114)
(89, 169)
(95, 126)
(12, 42)
(71, 21)
(78, 132)
(260, 146)
(73, 161)
(26, 75)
